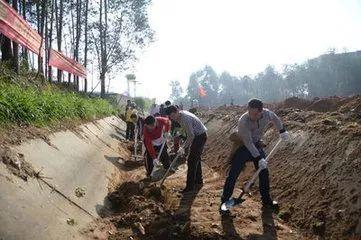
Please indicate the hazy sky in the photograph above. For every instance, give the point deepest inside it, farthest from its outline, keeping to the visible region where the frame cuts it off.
(240, 36)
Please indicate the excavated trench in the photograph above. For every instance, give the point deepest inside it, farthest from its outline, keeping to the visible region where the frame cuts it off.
(139, 209)
(84, 185)
(53, 188)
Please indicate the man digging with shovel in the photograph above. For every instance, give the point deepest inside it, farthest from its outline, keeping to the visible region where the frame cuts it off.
(251, 127)
(194, 144)
(155, 143)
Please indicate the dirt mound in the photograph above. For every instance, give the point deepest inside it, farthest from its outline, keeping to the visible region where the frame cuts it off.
(191, 216)
(352, 104)
(140, 210)
(316, 175)
(295, 102)
(132, 196)
(330, 104)
(133, 207)
(324, 105)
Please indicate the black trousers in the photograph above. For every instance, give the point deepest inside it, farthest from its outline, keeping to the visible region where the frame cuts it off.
(129, 133)
(194, 174)
(164, 159)
(241, 156)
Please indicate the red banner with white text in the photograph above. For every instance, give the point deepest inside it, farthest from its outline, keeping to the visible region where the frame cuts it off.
(64, 63)
(13, 26)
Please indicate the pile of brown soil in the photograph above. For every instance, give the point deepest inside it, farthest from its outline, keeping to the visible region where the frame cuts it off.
(316, 175)
(295, 102)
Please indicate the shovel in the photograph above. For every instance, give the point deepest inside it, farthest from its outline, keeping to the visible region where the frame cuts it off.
(170, 167)
(235, 201)
(135, 156)
(135, 144)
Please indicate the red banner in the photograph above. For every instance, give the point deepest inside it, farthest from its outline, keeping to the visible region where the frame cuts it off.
(201, 91)
(64, 63)
(13, 26)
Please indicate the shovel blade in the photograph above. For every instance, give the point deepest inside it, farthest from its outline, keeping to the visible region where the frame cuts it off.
(156, 169)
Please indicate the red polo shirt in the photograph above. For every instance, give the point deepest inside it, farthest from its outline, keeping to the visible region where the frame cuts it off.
(155, 135)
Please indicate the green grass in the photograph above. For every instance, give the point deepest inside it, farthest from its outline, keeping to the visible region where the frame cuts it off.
(49, 105)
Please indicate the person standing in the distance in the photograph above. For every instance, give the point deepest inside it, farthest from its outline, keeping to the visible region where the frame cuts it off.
(129, 103)
(129, 133)
(162, 110)
(167, 103)
(129, 122)
(194, 144)
(154, 110)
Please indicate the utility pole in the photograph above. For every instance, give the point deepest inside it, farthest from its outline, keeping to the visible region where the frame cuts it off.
(135, 87)
(131, 78)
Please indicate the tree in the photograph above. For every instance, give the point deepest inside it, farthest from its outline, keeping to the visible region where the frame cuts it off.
(206, 80)
(86, 42)
(227, 88)
(41, 14)
(122, 29)
(77, 37)
(210, 84)
(50, 38)
(6, 50)
(59, 13)
(294, 79)
(177, 91)
(270, 84)
(25, 54)
(193, 86)
(15, 59)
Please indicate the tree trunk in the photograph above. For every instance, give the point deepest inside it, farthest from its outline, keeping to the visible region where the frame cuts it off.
(25, 54)
(72, 40)
(103, 48)
(46, 43)
(50, 38)
(41, 20)
(77, 38)
(101, 35)
(102, 85)
(15, 45)
(59, 30)
(86, 43)
(6, 50)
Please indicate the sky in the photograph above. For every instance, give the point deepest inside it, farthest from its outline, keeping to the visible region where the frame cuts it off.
(239, 36)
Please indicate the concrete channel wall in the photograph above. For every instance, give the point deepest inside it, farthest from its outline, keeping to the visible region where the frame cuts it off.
(39, 208)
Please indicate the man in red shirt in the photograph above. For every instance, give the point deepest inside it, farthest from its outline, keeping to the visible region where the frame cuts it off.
(153, 140)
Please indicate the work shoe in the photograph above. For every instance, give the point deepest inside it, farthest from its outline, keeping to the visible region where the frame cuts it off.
(226, 213)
